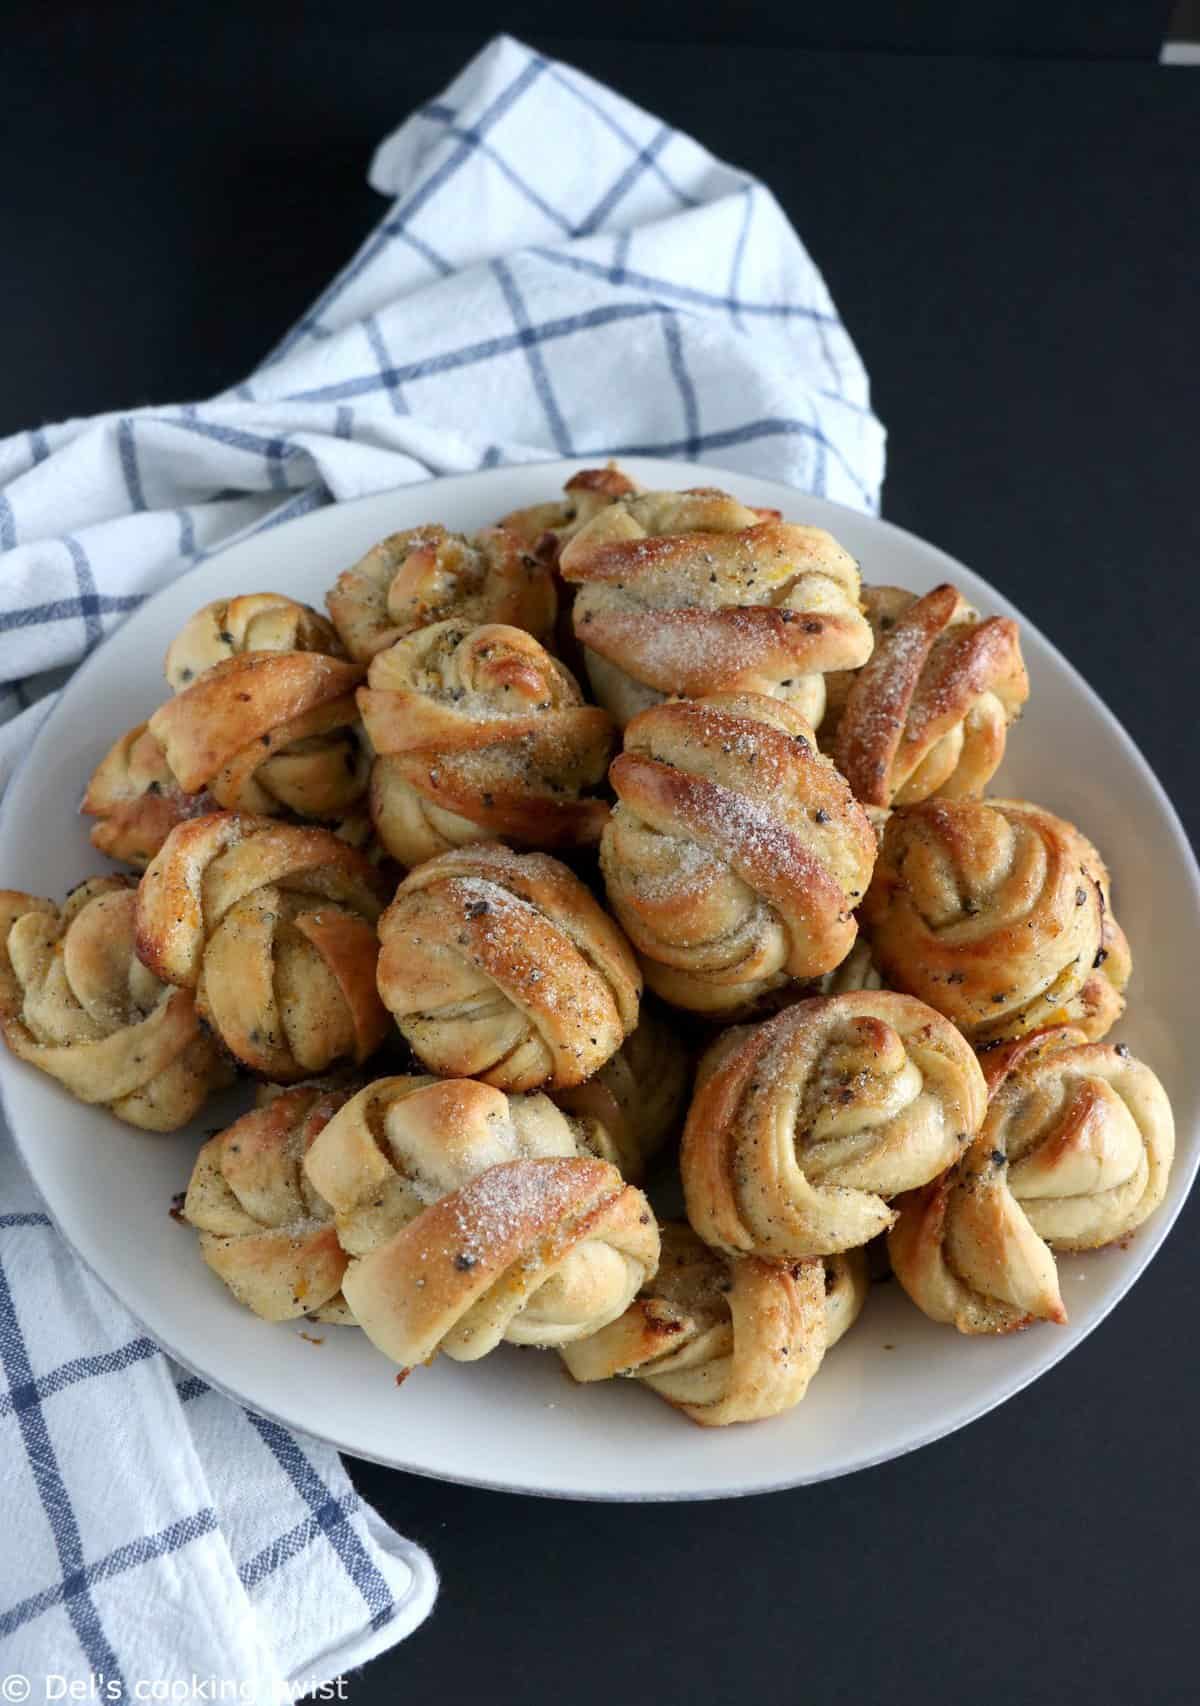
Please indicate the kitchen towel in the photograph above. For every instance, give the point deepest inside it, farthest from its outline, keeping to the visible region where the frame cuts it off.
(558, 274)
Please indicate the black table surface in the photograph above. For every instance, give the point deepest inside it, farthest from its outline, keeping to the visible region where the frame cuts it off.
(1015, 246)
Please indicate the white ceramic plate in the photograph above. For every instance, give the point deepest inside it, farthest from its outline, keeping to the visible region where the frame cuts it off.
(515, 1421)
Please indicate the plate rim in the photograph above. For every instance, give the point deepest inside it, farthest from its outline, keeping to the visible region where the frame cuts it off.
(559, 468)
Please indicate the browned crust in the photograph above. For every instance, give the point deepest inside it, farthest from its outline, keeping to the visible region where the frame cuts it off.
(259, 700)
(898, 698)
(551, 1207)
(171, 925)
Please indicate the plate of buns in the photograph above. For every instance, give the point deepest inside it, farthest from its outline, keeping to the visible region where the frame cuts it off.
(616, 982)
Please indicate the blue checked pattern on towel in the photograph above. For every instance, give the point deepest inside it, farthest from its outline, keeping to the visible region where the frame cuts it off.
(559, 273)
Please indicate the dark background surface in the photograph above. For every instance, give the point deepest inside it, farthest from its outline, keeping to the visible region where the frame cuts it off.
(1015, 244)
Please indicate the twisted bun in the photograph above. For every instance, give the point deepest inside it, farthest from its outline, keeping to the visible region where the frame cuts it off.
(401, 1143)
(263, 1229)
(426, 575)
(501, 966)
(76, 1002)
(538, 1252)
(1081, 1133)
(480, 734)
(997, 913)
(273, 926)
(268, 732)
(736, 854)
(693, 593)
(264, 721)
(723, 1340)
(928, 713)
(804, 1127)
(255, 622)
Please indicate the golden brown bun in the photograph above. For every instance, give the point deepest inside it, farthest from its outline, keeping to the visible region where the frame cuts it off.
(76, 1002)
(997, 913)
(481, 734)
(803, 1128)
(273, 926)
(722, 1339)
(1086, 1134)
(263, 1228)
(693, 593)
(232, 739)
(426, 575)
(928, 713)
(402, 1142)
(269, 732)
(255, 622)
(501, 966)
(545, 528)
(636, 1102)
(538, 1252)
(736, 854)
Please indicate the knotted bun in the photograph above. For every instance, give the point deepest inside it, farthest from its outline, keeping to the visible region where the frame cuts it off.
(273, 926)
(254, 622)
(538, 1252)
(736, 854)
(263, 1229)
(726, 1340)
(264, 720)
(928, 713)
(426, 575)
(481, 734)
(803, 1128)
(997, 913)
(77, 1003)
(693, 593)
(501, 966)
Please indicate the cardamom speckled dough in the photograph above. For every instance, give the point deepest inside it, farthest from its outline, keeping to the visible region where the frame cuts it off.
(263, 1229)
(724, 1339)
(252, 622)
(273, 926)
(76, 1002)
(400, 1143)
(803, 1128)
(998, 914)
(426, 574)
(533, 1251)
(264, 721)
(481, 734)
(736, 853)
(693, 593)
(501, 966)
(928, 713)
(1074, 1153)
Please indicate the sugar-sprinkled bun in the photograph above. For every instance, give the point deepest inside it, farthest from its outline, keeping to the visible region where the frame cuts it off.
(501, 966)
(693, 593)
(736, 854)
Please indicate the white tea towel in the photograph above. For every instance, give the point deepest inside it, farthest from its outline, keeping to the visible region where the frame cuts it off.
(559, 273)
(153, 1531)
